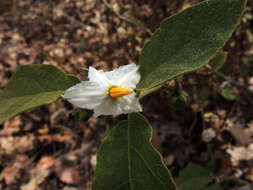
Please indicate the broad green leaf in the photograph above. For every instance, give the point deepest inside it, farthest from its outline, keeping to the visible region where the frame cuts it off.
(218, 61)
(188, 40)
(32, 86)
(194, 177)
(228, 93)
(126, 159)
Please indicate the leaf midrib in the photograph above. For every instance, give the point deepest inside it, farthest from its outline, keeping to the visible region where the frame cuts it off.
(184, 72)
(32, 94)
(128, 150)
(149, 168)
(145, 162)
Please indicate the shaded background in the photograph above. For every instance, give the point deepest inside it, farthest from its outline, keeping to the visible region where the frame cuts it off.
(47, 148)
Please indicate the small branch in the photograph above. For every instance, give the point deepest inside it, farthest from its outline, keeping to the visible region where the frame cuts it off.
(124, 18)
(115, 12)
(224, 77)
(228, 115)
(72, 19)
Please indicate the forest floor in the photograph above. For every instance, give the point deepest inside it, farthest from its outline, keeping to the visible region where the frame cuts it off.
(48, 149)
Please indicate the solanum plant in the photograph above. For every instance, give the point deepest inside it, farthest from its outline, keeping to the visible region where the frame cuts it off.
(126, 160)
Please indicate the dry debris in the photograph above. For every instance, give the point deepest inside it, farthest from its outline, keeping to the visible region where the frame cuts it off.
(46, 148)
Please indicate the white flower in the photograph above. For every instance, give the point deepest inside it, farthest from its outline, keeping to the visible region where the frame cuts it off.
(107, 93)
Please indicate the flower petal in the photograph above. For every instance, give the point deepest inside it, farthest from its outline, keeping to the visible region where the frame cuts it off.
(99, 77)
(108, 106)
(126, 104)
(126, 76)
(130, 103)
(85, 94)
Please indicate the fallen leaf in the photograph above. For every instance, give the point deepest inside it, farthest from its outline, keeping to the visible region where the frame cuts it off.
(38, 176)
(11, 145)
(240, 153)
(10, 174)
(67, 174)
(45, 162)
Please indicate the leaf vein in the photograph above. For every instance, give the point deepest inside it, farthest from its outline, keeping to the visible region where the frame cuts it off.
(128, 149)
(151, 171)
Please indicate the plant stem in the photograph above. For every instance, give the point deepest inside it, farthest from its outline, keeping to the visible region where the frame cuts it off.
(224, 77)
(125, 18)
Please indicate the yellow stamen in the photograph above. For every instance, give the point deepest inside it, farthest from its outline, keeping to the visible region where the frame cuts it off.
(117, 92)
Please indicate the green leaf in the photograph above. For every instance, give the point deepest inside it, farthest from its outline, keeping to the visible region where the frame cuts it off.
(228, 94)
(194, 177)
(218, 61)
(188, 40)
(32, 86)
(126, 159)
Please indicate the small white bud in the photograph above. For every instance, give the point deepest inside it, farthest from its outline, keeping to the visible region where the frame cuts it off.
(208, 134)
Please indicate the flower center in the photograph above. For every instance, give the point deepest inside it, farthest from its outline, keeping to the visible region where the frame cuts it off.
(117, 92)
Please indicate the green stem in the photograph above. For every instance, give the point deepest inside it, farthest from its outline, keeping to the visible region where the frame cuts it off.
(85, 70)
(109, 120)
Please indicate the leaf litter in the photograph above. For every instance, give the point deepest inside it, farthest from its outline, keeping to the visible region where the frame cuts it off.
(46, 148)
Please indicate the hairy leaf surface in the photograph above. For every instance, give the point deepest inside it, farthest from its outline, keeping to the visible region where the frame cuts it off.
(32, 86)
(188, 40)
(127, 160)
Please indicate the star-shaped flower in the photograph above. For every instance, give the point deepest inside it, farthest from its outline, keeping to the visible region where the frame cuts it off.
(107, 93)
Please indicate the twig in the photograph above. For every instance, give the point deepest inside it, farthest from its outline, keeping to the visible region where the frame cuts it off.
(124, 18)
(224, 77)
(74, 20)
(115, 12)
(228, 114)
